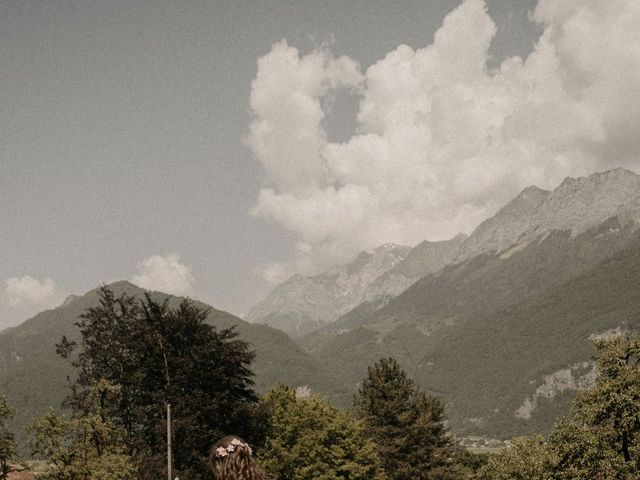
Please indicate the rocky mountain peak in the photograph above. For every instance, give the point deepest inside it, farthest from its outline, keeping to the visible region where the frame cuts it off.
(461, 237)
(533, 195)
(506, 226)
(577, 204)
(304, 303)
(526, 201)
(69, 300)
(584, 202)
(425, 258)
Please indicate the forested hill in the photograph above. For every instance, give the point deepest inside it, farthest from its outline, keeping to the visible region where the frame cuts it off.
(503, 338)
(33, 377)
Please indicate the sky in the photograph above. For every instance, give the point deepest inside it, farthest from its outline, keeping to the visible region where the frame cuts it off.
(211, 149)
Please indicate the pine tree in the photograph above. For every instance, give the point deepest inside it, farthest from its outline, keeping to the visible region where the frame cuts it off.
(407, 425)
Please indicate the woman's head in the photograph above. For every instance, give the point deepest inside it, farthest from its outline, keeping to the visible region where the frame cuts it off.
(231, 459)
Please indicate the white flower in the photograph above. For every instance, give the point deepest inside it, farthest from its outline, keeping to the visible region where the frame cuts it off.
(221, 452)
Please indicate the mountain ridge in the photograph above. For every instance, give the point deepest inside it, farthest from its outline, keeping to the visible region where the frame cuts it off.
(448, 329)
(302, 304)
(576, 205)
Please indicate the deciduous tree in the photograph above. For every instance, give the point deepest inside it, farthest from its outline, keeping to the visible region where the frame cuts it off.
(308, 438)
(7, 440)
(613, 404)
(158, 354)
(599, 440)
(88, 446)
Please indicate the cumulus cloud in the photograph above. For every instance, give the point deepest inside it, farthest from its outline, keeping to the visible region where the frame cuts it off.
(165, 274)
(442, 141)
(29, 291)
(286, 100)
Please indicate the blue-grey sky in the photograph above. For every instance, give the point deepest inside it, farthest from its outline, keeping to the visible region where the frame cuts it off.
(125, 145)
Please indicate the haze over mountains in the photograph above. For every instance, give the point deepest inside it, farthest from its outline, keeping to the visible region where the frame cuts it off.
(498, 324)
(304, 304)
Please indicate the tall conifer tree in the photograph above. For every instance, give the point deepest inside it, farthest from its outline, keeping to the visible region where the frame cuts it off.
(406, 424)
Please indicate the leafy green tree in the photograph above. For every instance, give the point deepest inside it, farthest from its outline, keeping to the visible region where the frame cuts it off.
(7, 440)
(307, 438)
(470, 463)
(87, 447)
(599, 440)
(528, 458)
(572, 452)
(407, 425)
(613, 404)
(584, 451)
(158, 355)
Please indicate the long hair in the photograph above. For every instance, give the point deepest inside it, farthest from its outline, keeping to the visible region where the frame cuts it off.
(231, 459)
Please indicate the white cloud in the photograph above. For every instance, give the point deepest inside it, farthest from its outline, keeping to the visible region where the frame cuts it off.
(29, 291)
(287, 113)
(442, 141)
(165, 274)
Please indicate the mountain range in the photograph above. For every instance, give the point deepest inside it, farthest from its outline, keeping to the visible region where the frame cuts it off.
(488, 331)
(304, 304)
(499, 324)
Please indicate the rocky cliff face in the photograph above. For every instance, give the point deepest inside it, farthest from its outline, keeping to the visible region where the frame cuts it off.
(578, 204)
(303, 304)
(577, 377)
(506, 226)
(425, 258)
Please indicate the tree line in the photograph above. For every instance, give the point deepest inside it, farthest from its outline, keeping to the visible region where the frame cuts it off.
(136, 356)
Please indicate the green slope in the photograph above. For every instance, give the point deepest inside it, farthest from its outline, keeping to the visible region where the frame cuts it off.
(482, 334)
(489, 365)
(34, 378)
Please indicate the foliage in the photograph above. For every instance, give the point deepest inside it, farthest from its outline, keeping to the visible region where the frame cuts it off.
(7, 441)
(599, 440)
(157, 355)
(526, 459)
(33, 377)
(86, 447)
(469, 462)
(307, 438)
(583, 451)
(406, 424)
(613, 405)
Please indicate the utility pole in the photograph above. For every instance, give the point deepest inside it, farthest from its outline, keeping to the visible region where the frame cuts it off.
(169, 460)
(166, 372)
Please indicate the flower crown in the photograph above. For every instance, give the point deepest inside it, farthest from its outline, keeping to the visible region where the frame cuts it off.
(235, 443)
